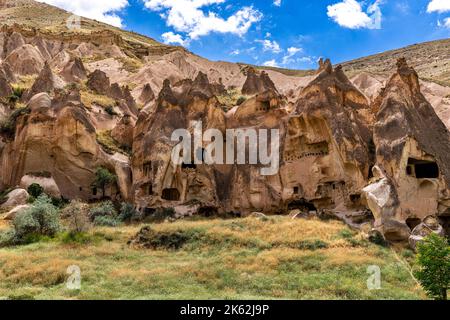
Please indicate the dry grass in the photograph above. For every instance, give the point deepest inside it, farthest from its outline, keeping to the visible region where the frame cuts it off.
(89, 99)
(236, 259)
(108, 143)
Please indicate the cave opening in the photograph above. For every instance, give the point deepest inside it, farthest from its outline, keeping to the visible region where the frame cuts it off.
(302, 205)
(422, 169)
(413, 222)
(208, 212)
(171, 194)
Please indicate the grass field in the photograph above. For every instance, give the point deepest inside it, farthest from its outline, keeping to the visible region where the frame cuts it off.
(252, 258)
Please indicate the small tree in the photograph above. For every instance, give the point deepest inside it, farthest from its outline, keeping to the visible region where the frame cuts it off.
(434, 260)
(103, 178)
(77, 215)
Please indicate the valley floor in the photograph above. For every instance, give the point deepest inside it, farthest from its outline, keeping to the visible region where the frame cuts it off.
(253, 258)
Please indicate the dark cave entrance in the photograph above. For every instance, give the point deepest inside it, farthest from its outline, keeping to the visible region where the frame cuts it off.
(413, 222)
(208, 212)
(301, 205)
(171, 194)
(422, 169)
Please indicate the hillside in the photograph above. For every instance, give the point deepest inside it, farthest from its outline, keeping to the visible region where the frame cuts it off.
(430, 59)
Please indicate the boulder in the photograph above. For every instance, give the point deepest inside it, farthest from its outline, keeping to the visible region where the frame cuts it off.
(11, 215)
(15, 198)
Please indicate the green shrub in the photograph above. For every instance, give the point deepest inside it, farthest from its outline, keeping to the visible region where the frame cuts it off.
(76, 237)
(103, 209)
(35, 190)
(41, 219)
(128, 213)
(77, 215)
(106, 221)
(434, 260)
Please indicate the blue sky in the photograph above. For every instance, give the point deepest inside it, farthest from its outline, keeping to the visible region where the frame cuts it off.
(285, 33)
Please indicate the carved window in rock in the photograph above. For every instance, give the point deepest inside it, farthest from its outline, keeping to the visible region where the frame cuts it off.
(94, 191)
(147, 168)
(171, 194)
(422, 169)
(300, 149)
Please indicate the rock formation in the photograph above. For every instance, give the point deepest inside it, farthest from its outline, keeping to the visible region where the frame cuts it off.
(47, 81)
(99, 82)
(25, 60)
(257, 83)
(147, 95)
(5, 87)
(74, 71)
(413, 151)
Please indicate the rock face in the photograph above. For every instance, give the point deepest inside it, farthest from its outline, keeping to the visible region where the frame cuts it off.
(25, 60)
(47, 81)
(257, 83)
(55, 139)
(413, 149)
(99, 82)
(157, 181)
(339, 155)
(5, 87)
(147, 95)
(123, 131)
(74, 71)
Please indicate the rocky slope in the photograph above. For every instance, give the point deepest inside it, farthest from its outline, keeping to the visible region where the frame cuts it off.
(367, 149)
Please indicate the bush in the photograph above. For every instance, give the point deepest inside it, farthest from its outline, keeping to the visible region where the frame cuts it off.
(161, 214)
(311, 245)
(35, 190)
(106, 221)
(41, 219)
(128, 213)
(77, 215)
(103, 209)
(434, 260)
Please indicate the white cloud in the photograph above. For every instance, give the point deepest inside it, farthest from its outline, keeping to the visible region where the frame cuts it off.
(269, 45)
(438, 6)
(350, 14)
(291, 52)
(101, 10)
(277, 3)
(270, 63)
(445, 23)
(188, 16)
(172, 38)
(235, 52)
